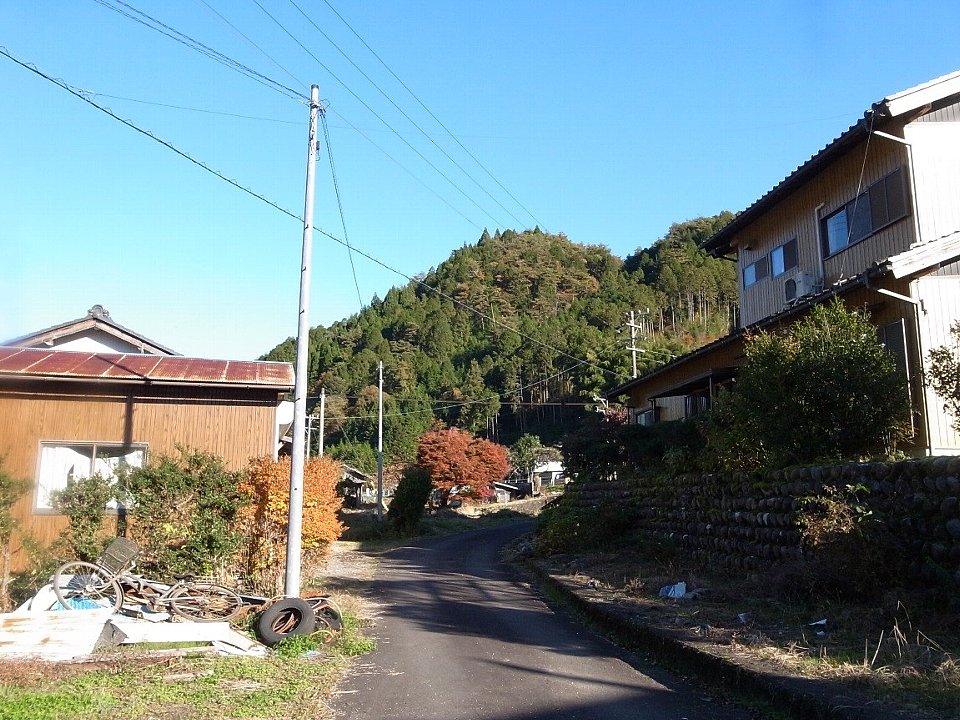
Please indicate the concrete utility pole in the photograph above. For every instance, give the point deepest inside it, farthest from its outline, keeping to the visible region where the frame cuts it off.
(291, 587)
(323, 415)
(633, 341)
(380, 449)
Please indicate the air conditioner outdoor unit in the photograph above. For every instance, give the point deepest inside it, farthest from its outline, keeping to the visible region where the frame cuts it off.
(799, 285)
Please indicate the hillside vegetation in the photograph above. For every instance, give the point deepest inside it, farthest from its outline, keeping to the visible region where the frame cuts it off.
(513, 334)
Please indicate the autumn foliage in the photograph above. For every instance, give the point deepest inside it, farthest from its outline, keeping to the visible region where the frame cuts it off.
(456, 459)
(264, 520)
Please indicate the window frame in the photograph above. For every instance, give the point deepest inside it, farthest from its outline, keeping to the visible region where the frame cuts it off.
(862, 216)
(793, 255)
(43, 488)
(763, 263)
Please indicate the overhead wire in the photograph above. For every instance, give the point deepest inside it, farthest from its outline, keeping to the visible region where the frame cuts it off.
(405, 114)
(194, 109)
(377, 115)
(263, 52)
(336, 190)
(153, 23)
(431, 113)
(84, 96)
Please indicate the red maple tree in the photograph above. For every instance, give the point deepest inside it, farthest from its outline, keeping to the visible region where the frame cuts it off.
(458, 461)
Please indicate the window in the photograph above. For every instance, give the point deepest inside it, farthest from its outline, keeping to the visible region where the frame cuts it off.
(756, 271)
(62, 462)
(647, 417)
(696, 403)
(883, 202)
(784, 257)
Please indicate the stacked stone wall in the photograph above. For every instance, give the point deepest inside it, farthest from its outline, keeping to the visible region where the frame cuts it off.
(749, 522)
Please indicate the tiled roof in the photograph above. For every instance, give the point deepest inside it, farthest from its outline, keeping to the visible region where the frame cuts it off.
(42, 364)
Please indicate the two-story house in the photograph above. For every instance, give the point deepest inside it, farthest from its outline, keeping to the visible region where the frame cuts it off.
(872, 218)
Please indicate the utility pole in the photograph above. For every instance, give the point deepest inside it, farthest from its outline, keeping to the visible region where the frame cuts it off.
(323, 416)
(309, 433)
(633, 341)
(380, 449)
(291, 586)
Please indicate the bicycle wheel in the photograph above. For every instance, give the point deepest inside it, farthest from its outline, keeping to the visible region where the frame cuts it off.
(84, 586)
(205, 603)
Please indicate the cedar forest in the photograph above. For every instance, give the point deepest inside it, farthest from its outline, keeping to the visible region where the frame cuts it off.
(513, 335)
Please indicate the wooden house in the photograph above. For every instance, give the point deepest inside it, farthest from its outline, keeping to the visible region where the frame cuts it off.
(67, 413)
(872, 218)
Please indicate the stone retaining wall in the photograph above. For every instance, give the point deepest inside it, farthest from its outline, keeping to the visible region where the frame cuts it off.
(750, 522)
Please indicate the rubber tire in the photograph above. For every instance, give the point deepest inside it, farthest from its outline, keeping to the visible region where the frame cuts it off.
(213, 603)
(98, 585)
(285, 618)
(327, 614)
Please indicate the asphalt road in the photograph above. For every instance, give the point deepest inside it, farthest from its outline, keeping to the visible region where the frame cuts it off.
(460, 637)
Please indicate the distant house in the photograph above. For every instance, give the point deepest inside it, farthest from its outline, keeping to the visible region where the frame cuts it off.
(874, 219)
(67, 413)
(97, 332)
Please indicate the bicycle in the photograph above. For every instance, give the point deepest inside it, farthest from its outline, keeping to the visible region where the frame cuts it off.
(108, 583)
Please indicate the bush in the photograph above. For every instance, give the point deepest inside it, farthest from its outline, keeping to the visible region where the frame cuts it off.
(183, 508)
(83, 501)
(598, 448)
(409, 500)
(824, 390)
(565, 528)
(263, 522)
(11, 488)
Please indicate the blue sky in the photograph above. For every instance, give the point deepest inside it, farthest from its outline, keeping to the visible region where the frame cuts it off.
(606, 121)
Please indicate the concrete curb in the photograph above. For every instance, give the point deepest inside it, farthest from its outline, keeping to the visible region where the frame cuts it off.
(804, 698)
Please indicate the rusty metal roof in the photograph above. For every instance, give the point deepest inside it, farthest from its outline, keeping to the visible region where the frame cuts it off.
(42, 364)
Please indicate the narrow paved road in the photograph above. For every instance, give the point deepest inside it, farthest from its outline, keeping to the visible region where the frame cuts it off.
(459, 637)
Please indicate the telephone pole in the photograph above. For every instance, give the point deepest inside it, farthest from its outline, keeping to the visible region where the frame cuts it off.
(380, 448)
(323, 416)
(291, 587)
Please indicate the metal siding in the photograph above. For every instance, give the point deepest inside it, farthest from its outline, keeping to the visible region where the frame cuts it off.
(936, 159)
(950, 113)
(941, 307)
(948, 270)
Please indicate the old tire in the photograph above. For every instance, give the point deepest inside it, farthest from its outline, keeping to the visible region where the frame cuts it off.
(285, 618)
(326, 612)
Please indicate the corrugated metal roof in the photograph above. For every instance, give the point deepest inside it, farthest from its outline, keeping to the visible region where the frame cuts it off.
(60, 364)
(938, 88)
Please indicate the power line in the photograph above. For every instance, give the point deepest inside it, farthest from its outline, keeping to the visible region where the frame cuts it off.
(83, 96)
(404, 113)
(336, 189)
(377, 115)
(245, 37)
(193, 109)
(151, 22)
(430, 112)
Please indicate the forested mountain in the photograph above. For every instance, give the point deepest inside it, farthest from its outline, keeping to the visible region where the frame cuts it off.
(514, 334)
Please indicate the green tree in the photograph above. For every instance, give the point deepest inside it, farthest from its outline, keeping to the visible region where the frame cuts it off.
(410, 500)
(944, 374)
(823, 390)
(525, 454)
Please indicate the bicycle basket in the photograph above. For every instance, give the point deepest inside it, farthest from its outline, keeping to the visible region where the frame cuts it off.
(119, 555)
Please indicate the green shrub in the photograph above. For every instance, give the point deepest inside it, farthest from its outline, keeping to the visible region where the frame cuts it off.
(564, 528)
(83, 501)
(409, 500)
(182, 508)
(824, 390)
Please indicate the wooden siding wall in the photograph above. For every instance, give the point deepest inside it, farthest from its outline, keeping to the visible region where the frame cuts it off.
(936, 159)
(233, 424)
(796, 217)
(672, 408)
